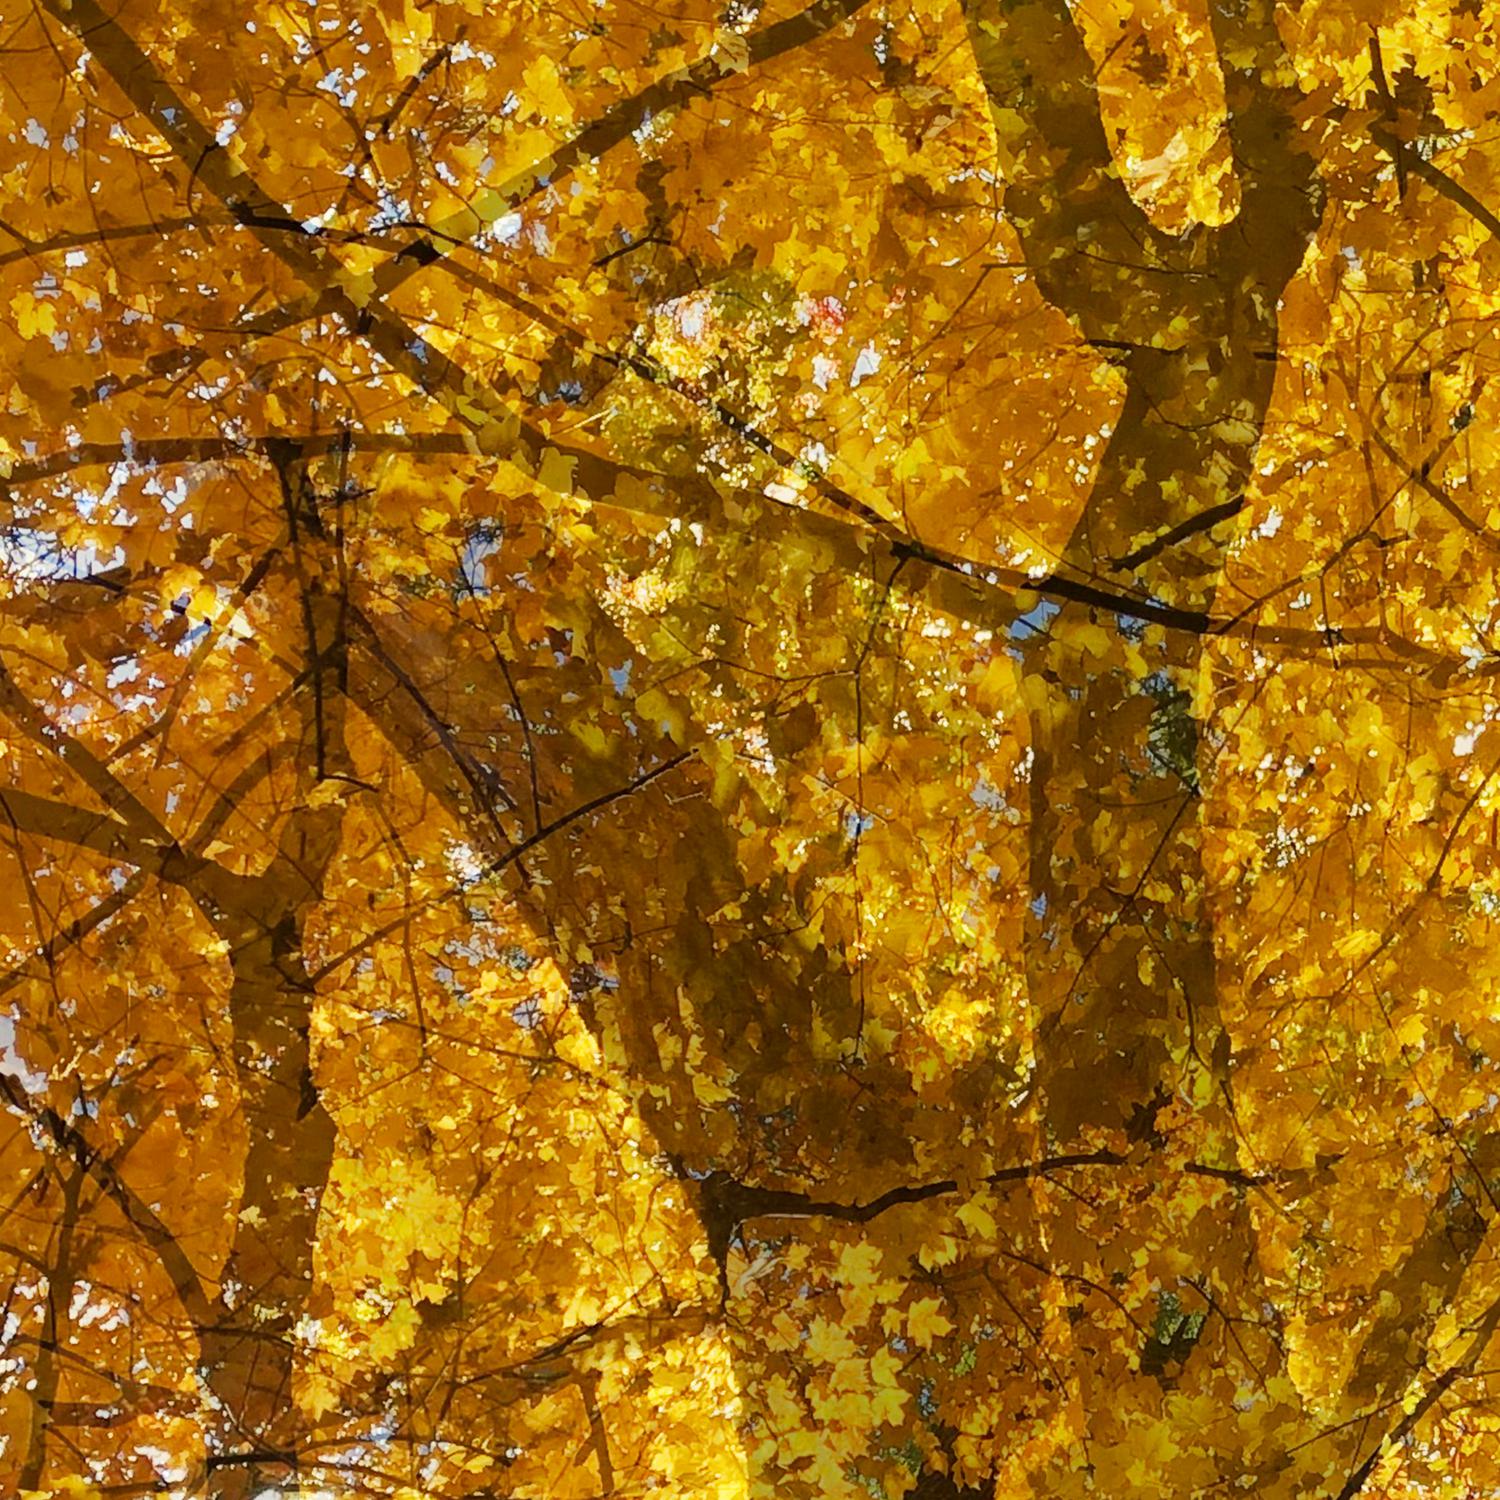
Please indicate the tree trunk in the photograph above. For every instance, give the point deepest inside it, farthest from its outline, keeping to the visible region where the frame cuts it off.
(250, 1354)
(1120, 953)
(248, 1357)
(1130, 1048)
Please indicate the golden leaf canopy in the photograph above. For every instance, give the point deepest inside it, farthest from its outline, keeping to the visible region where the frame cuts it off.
(746, 750)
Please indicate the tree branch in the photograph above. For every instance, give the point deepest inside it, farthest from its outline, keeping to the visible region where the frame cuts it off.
(730, 1202)
(71, 1143)
(1076, 220)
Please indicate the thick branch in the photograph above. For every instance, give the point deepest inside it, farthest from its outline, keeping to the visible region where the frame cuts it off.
(1360, 1475)
(731, 1202)
(1435, 177)
(985, 594)
(71, 1143)
(437, 242)
(1075, 218)
(617, 124)
(43, 817)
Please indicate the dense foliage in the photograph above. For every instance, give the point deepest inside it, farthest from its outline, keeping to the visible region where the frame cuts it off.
(747, 752)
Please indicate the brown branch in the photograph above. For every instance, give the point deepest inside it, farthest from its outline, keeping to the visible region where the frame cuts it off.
(161, 725)
(588, 1386)
(596, 139)
(76, 930)
(1204, 520)
(1435, 177)
(730, 1202)
(509, 857)
(1482, 1335)
(104, 834)
(146, 453)
(74, 240)
(142, 824)
(46, 1367)
(1425, 483)
(590, 143)
(548, 1365)
(484, 786)
(986, 594)
(71, 1143)
(1075, 218)
(1388, 102)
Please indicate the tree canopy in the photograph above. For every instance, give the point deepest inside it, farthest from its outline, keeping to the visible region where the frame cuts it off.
(746, 751)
